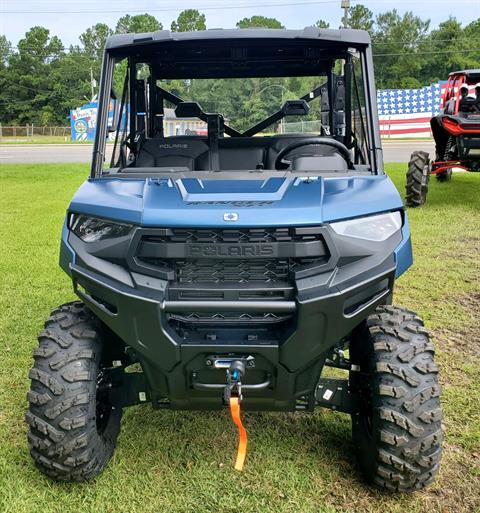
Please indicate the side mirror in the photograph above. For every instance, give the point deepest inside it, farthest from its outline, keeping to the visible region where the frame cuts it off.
(188, 110)
(295, 108)
(113, 113)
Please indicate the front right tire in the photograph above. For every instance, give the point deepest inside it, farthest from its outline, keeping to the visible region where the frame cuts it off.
(398, 432)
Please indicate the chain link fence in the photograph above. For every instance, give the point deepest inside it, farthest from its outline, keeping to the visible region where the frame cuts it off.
(29, 131)
(300, 127)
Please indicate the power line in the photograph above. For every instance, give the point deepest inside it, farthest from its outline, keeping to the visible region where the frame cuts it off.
(203, 8)
(60, 49)
(463, 50)
(395, 2)
(174, 9)
(33, 89)
(9, 101)
(414, 51)
(421, 41)
(425, 41)
(192, 4)
(186, 4)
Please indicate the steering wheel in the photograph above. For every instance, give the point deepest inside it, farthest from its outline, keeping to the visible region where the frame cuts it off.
(326, 141)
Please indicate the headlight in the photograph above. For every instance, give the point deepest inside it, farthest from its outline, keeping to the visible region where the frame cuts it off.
(374, 228)
(92, 229)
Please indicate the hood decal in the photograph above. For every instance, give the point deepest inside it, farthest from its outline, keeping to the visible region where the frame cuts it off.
(194, 190)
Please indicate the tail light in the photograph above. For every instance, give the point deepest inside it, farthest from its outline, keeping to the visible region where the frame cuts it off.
(452, 126)
(456, 128)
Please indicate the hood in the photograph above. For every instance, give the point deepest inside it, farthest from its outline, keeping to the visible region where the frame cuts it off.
(216, 203)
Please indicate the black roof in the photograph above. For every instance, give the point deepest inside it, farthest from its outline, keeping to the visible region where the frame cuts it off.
(345, 36)
(238, 52)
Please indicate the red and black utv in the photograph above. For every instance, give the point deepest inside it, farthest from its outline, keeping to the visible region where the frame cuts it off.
(456, 131)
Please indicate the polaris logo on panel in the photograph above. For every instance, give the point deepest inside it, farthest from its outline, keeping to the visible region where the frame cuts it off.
(167, 146)
(226, 250)
(230, 216)
(232, 203)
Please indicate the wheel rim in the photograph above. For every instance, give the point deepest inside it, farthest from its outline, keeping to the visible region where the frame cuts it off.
(368, 412)
(365, 419)
(425, 178)
(103, 407)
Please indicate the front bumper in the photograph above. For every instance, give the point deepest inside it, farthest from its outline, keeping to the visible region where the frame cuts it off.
(323, 312)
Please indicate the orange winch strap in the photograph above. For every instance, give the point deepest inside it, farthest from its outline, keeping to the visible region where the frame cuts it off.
(242, 444)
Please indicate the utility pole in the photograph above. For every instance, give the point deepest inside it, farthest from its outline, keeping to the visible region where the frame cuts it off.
(93, 85)
(345, 7)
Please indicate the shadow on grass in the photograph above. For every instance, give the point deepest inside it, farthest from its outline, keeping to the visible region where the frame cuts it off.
(463, 190)
(304, 439)
(309, 455)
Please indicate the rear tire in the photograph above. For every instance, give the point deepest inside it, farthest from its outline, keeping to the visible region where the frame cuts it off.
(445, 176)
(418, 176)
(398, 432)
(450, 154)
(73, 426)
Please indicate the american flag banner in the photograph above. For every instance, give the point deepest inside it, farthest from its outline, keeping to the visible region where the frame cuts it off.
(407, 112)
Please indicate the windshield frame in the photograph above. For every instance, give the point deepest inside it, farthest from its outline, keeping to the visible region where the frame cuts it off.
(374, 157)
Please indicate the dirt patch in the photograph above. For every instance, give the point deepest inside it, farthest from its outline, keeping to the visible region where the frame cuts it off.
(465, 249)
(469, 239)
(463, 340)
(451, 493)
(471, 302)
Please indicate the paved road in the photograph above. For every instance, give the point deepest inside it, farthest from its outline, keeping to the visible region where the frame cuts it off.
(400, 151)
(46, 153)
(395, 151)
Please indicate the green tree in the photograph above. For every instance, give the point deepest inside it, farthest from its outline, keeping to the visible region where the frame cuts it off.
(471, 33)
(398, 43)
(138, 23)
(450, 36)
(71, 84)
(189, 20)
(322, 24)
(259, 22)
(29, 91)
(360, 17)
(94, 39)
(5, 51)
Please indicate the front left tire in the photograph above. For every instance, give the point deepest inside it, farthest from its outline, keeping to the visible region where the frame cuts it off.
(73, 427)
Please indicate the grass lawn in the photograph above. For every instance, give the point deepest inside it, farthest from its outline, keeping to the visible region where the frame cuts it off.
(182, 462)
(40, 139)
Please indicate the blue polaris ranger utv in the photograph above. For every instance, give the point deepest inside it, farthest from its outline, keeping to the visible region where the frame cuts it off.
(238, 240)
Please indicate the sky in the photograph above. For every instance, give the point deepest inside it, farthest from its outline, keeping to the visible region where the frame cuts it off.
(68, 19)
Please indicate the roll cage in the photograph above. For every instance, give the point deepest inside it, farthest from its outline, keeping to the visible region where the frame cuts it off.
(455, 81)
(242, 54)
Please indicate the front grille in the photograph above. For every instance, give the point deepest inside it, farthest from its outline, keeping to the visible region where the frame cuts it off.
(229, 264)
(260, 264)
(226, 318)
(232, 271)
(201, 327)
(240, 236)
